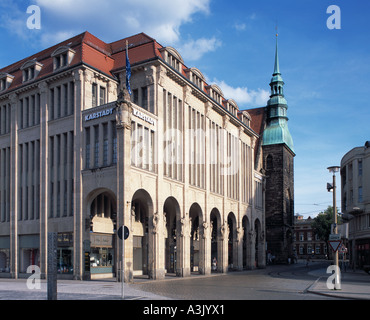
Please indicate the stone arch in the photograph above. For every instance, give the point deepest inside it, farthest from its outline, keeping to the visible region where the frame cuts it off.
(142, 214)
(246, 243)
(172, 216)
(232, 243)
(259, 240)
(101, 222)
(196, 238)
(216, 242)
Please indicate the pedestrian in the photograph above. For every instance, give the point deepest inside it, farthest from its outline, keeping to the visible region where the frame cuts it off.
(269, 258)
(214, 264)
(307, 260)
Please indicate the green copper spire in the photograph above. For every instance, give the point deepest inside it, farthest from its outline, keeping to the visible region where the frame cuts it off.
(276, 131)
(276, 67)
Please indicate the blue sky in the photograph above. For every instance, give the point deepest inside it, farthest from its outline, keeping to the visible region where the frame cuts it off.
(326, 72)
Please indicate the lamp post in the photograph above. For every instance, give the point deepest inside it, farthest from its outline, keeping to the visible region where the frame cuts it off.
(334, 169)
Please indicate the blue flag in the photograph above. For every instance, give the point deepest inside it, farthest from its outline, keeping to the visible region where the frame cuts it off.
(128, 71)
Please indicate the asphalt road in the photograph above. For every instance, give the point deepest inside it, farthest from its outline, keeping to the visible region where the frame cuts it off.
(277, 282)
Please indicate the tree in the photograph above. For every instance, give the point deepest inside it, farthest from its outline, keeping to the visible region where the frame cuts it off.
(321, 225)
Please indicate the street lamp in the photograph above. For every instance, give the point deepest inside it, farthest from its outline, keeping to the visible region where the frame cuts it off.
(335, 169)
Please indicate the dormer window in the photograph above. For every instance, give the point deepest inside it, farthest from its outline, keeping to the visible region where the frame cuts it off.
(172, 57)
(30, 70)
(61, 61)
(196, 77)
(62, 57)
(232, 107)
(5, 81)
(246, 118)
(215, 93)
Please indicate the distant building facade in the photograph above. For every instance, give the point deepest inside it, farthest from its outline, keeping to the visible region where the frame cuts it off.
(306, 242)
(355, 192)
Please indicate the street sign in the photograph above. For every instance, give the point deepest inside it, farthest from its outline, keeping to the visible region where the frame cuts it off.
(335, 244)
(334, 237)
(126, 232)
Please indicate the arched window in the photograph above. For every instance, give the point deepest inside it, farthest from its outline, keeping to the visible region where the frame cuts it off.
(269, 162)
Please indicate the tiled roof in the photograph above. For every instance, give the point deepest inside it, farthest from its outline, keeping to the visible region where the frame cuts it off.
(258, 121)
(108, 58)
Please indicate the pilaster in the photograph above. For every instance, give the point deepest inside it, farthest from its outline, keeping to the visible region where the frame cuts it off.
(14, 249)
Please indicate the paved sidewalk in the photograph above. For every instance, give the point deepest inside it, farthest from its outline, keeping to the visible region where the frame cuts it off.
(354, 285)
(11, 289)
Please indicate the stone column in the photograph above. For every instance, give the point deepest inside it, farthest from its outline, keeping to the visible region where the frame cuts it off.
(239, 246)
(205, 248)
(78, 214)
(44, 176)
(252, 238)
(205, 241)
(14, 250)
(222, 264)
(183, 253)
(157, 267)
(123, 123)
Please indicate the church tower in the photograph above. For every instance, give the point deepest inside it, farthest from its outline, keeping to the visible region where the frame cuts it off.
(278, 157)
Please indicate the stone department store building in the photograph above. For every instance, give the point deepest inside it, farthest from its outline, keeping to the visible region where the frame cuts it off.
(175, 162)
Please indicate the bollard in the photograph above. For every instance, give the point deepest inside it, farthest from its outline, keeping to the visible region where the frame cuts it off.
(52, 266)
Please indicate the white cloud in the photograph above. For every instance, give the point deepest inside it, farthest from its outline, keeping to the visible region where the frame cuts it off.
(13, 19)
(112, 18)
(240, 26)
(54, 38)
(195, 49)
(243, 95)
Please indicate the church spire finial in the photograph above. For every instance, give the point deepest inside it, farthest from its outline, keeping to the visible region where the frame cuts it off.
(277, 131)
(276, 67)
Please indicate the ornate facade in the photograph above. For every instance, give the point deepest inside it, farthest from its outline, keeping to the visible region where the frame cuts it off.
(174, 161)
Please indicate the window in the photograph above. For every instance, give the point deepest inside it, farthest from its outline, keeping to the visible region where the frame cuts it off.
(269, 162)
(360, 194)
(105, 144)
(59, 101)
(5, 80)
(114, 144)
(102, 96)
(360, 167)
(51, 109)
(301, 236)
(62, 57)
(144, 98)
(94, 95)
(30, 70)
(309, 236)
(135, 93)
(87, 155)
(309, 249)
(96, 151)
(2, 84)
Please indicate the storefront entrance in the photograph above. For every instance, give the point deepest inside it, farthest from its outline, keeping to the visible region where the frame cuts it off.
(102, 236)
(141, 204)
